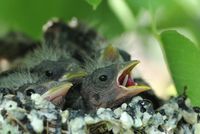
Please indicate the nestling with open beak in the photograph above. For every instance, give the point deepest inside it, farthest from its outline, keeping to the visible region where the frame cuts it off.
(111, 54)
(110, 86)
(115, 79)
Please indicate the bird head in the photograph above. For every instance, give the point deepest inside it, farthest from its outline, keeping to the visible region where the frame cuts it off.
(53, 91)
(111, 85)
(54, 70)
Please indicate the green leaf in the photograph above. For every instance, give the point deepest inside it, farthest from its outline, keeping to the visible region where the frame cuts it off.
(94, 3)
(184, 63)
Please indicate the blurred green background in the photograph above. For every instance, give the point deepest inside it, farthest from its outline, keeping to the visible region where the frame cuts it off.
(29, 16)
(136, 24)
(111, 17)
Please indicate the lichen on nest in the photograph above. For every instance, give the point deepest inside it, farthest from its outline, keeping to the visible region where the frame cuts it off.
(36, 115)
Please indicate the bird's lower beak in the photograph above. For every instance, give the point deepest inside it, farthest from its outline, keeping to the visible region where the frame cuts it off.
(127, 87)
(56, 93)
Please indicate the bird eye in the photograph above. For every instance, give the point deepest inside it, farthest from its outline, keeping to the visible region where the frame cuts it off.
(103, 77)
(30, 91)
(49, 73)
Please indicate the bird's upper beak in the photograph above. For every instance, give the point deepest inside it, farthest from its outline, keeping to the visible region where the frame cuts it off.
(69, 76)
(56, 93)
(127, 87)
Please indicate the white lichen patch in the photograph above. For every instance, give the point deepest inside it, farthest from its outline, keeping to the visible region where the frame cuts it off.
(126, 120)
(36, 122)
(118, 112)
(153, 130)
(146, 118)
(134, 101)
(196, 128)
(105, 114)
(157, 119)
(90, 120)
(124, 106)
(64, 115)
(77, 126)
(18, 113)
(191, 117)
(9, 105)
(7, 128)
(1, 119)
(40, 102)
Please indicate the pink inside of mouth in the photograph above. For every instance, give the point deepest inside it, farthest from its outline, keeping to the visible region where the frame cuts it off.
(126, 81)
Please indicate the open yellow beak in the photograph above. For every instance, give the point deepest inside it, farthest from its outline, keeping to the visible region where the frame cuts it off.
(127, 86)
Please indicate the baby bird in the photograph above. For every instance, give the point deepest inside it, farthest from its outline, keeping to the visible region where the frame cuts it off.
(16, 45)
(109, 83)
(52, 63)
(112, 54)
(16, 79)
(73, 37)
(46, 65)
(29, 83)
(110, 86)
(53, 91)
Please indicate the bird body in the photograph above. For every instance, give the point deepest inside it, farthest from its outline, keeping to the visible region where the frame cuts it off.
(73, 37)
(16, 45)
(17, 79)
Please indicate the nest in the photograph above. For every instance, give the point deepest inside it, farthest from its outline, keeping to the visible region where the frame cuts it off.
(36, 115)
